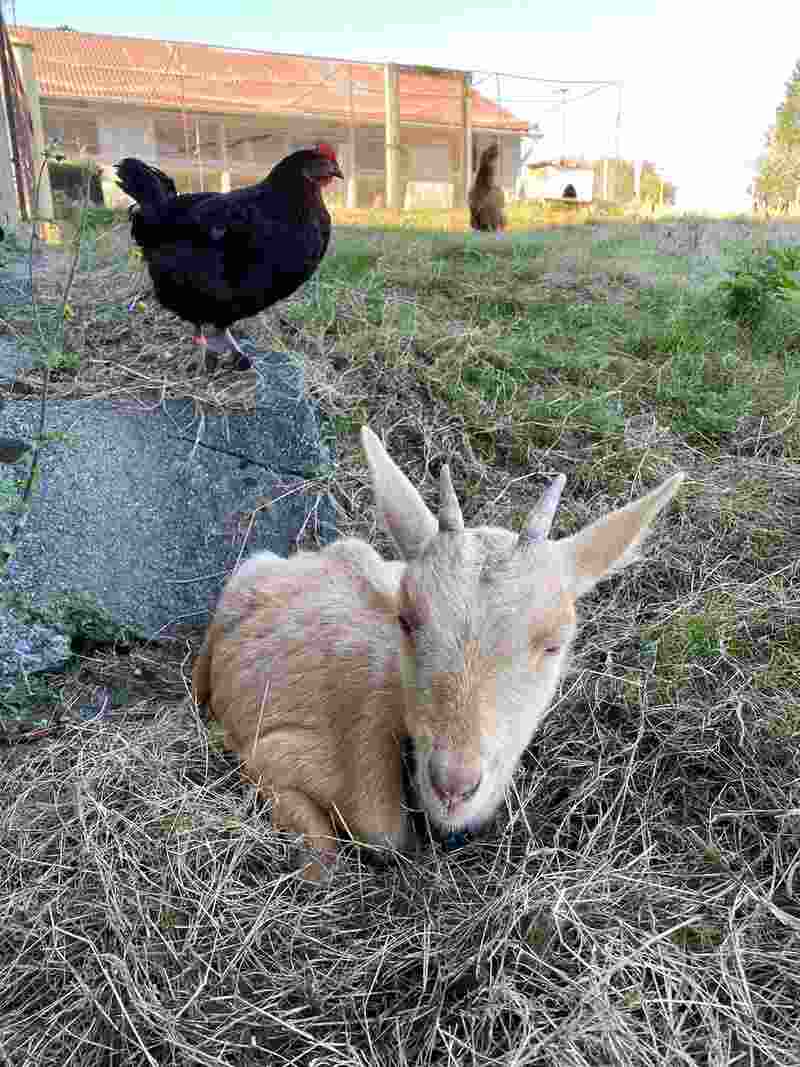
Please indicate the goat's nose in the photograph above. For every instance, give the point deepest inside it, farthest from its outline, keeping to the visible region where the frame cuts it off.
(453, 777)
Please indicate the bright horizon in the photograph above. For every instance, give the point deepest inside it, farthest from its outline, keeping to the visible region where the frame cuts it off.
(701, 82)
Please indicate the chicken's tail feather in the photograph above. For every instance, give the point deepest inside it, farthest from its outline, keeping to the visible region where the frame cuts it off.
(150, 187)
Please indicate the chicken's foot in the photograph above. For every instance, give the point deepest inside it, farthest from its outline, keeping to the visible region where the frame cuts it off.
(221, 343)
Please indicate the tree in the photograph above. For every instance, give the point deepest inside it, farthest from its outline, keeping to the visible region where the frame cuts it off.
(787, 126)
(621, 182)
(651, 183)
(777, 182)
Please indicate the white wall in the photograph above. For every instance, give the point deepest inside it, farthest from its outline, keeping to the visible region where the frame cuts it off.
(551, 182)
(430, 184)
(126, 135)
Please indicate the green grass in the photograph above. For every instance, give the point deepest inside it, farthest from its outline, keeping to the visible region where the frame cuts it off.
(594, 338)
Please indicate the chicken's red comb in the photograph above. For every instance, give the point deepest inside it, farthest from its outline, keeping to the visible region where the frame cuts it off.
(324, 149)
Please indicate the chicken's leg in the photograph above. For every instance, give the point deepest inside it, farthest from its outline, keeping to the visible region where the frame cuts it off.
(209, 361)
(223, 342)
(216, 343)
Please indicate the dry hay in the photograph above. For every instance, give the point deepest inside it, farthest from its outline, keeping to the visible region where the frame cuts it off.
(130, 348)
(635, 904)
(151, 916)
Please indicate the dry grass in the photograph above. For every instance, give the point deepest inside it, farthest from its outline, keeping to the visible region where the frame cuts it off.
(637, 900)
(117, 345)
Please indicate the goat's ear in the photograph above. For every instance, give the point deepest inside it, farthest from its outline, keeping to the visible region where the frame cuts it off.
(408, 521)
(610, 543)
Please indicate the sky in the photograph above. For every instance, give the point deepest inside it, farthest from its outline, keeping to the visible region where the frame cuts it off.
(701, 80)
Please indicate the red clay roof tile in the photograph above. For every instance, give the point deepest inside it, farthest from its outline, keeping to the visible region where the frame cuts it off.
(205, 78)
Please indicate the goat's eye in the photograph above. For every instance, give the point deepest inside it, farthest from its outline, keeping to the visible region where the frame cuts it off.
(406, 624)
(552, 649)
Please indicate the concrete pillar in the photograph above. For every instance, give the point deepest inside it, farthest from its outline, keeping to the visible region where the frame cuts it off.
(225, 176)
(352, 175)
(198, 156)
(151, 139)
(23, 53)
(637, 179)
(392, 126)
(467, 119)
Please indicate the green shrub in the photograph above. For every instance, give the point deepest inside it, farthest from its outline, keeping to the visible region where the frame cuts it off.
(68, 181)
(757, 279)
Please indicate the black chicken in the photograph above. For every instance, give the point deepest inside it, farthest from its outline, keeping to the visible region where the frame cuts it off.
(220, 257)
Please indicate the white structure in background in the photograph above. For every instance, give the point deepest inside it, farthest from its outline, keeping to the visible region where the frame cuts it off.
(559, 179)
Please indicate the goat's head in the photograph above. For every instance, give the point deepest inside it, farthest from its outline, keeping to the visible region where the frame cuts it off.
(485, 621)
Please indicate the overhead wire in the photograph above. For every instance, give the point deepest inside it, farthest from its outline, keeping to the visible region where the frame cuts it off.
(479, 79)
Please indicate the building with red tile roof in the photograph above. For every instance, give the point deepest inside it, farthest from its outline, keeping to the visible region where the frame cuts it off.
(215, 117)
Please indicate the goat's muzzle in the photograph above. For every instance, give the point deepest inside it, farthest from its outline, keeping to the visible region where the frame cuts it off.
(454, 777)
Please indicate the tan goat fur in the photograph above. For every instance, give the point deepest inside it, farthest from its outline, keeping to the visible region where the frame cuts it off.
(320, 665)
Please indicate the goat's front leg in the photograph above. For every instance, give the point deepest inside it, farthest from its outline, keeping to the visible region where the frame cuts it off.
(293, 809)
(296, 812)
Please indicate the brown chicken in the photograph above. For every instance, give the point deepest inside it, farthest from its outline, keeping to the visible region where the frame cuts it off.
(486, 200)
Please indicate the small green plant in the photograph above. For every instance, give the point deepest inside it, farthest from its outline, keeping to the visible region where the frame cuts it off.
(31, 700)
(9, 494)
(632, 1000)
(788, 725)
(176, 824)
(216, 737)
(757, 279)
(98, 217)
(12, 246)
(697, 937)
(51, 344)
(87, 622)
(79, 615)
(58, 360)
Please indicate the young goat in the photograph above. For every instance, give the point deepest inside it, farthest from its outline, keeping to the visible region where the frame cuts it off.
(321, 666)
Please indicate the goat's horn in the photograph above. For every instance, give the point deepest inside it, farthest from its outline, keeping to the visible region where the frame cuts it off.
(450, 517)
(540, 520)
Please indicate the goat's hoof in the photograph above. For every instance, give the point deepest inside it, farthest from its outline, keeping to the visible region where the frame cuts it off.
(319, 864)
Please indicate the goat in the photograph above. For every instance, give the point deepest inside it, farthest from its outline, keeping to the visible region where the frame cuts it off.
(321, 667)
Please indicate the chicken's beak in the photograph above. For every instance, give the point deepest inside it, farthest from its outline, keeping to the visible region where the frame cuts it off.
(323, 170)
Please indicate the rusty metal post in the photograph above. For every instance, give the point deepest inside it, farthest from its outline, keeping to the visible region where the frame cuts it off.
(23, 53)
